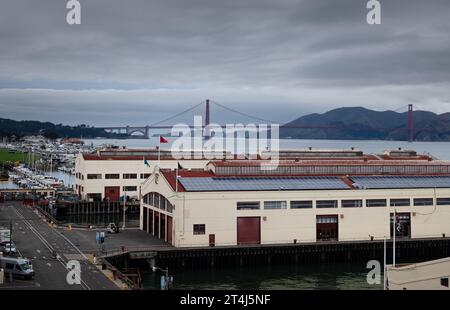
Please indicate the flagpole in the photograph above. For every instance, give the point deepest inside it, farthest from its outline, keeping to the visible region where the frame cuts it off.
(393, 240)
(159, 150)
(384, 264)
(176, 179)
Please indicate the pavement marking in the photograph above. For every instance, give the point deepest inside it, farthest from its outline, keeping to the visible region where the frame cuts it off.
(39, 251)
(47, 245)
(48, 264)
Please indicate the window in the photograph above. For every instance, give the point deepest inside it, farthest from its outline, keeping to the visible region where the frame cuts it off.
(94, 176)
(400, 202)
(145, 175)
(351, 203)
(130, 176)
(110, 176)
(130, 188)
(326, 204)
(199, 229)
(376, 203)
(9, 266)
(443, 201)
(301, 204)
(94, 197)
(248, 205)
(423, 201)
(270, 205)
(444, 282)
(326, 219)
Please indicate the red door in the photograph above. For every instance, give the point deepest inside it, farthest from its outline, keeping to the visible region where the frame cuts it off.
(248, 230)
(169, 229)
(112, 193)
(327, 227)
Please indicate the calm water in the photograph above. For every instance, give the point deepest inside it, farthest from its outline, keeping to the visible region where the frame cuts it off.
(440, 150)
(306, 277)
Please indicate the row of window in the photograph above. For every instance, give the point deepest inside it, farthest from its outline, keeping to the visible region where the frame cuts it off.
(346, 203)
(158, 201)
(129, 188)
(114, 176)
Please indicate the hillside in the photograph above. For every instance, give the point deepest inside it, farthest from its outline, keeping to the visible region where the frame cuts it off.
(358, 123)
(19, 129)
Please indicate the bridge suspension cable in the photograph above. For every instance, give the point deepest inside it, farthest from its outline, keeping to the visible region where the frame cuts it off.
(244, 114)
(176, 115)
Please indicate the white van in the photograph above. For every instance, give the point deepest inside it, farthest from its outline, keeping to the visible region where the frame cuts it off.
(19, 267)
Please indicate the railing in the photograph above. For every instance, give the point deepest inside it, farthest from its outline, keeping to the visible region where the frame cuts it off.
(117, 274)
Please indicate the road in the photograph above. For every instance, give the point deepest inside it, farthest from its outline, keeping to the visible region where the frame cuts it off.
(49, 250)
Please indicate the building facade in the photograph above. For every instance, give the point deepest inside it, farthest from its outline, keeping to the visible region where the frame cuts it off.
(111, 174)
(200, 208)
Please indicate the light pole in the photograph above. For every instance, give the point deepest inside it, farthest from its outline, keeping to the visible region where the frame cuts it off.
(124, 208)
(166, 275)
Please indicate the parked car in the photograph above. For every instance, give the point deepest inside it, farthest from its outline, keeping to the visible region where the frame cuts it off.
(9, 249)
(19, 267)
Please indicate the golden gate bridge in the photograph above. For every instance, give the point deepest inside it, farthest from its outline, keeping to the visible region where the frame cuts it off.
(144, 131)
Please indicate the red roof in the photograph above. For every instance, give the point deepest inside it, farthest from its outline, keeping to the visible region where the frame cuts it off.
(127, 157)
(243, 163)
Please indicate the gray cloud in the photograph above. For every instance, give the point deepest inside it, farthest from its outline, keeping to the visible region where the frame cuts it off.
(138, 61)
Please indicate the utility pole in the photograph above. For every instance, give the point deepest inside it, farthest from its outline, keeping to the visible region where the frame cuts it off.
(124, 208)
(10, 232)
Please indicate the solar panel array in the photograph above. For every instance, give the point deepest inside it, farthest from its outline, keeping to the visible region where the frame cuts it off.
(383, 182)
(261, 183)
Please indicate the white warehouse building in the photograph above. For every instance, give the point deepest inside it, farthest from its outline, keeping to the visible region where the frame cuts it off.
(204, 208)
(110, 174)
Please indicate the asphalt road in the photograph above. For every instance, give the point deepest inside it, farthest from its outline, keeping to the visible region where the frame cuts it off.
(49, 250)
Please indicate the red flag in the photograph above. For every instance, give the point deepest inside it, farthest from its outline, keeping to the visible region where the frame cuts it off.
(162, 140)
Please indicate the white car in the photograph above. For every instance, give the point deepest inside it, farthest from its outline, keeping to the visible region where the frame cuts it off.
(9, 249)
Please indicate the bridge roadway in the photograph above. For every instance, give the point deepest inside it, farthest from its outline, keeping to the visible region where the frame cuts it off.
(36, 240)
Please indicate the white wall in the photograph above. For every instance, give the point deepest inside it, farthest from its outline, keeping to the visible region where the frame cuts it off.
(217, 210)
(123, 166)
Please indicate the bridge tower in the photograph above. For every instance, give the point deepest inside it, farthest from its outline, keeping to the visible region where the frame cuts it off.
(410, 123)
(207, 120)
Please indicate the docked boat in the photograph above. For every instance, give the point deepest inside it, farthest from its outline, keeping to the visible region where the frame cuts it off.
(430, 275)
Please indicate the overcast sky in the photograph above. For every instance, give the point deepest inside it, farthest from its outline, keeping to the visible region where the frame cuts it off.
(139, 61)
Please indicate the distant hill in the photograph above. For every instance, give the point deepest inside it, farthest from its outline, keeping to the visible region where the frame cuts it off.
(19, 129)
(358, 123)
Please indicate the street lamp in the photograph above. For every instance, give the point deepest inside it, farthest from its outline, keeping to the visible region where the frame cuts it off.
(124, 209)
(167, 282)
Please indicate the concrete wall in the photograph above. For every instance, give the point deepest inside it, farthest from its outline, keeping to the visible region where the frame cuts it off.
(217, 210)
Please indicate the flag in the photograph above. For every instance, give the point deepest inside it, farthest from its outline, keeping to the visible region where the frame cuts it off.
(146, 163)
(163, 140)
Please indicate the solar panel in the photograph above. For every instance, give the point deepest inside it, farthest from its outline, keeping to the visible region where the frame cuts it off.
(384, 182)
(261, 183)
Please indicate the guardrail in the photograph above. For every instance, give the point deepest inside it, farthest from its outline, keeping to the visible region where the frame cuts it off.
(117, 274)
